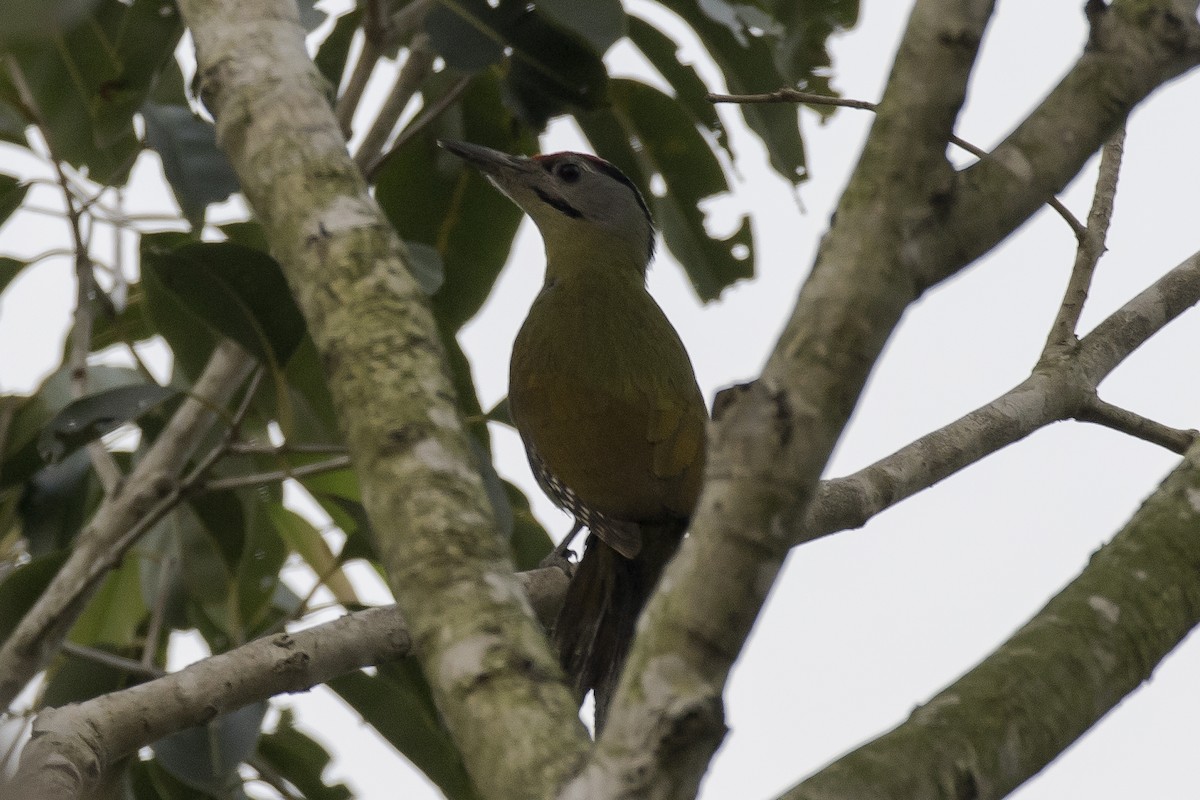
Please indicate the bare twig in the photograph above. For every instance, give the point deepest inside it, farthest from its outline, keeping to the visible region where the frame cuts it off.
(274, 476)
(257, 448)
(113, 660)
(1090, 248)
(85, 280)
(414, 72)
(810, 98)
(1120, 419)
(427, 116)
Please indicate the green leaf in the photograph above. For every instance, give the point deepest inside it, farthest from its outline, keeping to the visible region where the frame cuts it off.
(24, 585)
(599, 22)
(88, 83)
(432, 199)
(463, 37)
(74, 678)
(97, 414)
(258, 569)
(670, 146)
(116, 613)
(301, 759)
(551, 69)
(206, 757)
(12, 194)
(530, 542)
(21, 459)
(9, 269)
(396, 701)
(303, 538)
(40, 19)
(56, 503)
(197, 170)
(690, 92)
(748, 64)
(234, 290)
(331, 56)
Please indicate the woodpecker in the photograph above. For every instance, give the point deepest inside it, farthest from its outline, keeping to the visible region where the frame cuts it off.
(604, 396)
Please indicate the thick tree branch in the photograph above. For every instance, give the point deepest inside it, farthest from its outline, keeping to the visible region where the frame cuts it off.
(1093, 644)
(768, 448)
(1133, 49)
(1059, 389)
(487, 661)
(73, 746)
(151, 488)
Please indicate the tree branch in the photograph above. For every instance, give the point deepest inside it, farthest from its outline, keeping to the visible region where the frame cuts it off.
(1091, 248)
(74, 746)
(1058, 389)
(149, 491)
(773, 439)
(489, 666)
(1092, 644)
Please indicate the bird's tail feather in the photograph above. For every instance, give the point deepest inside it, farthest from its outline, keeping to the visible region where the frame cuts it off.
(599, 615)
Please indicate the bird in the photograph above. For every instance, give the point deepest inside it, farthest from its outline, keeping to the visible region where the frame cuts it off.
(604, 397)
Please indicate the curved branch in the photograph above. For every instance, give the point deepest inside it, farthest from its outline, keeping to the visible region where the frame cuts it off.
(1093, 643)
(72, 747)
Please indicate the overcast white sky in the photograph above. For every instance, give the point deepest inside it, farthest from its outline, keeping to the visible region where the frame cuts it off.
(865, 625)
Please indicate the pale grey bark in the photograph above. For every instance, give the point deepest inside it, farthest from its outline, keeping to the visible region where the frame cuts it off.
(146, 494)
(490, 668)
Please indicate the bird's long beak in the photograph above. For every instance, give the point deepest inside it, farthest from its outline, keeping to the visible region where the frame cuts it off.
(488, 161)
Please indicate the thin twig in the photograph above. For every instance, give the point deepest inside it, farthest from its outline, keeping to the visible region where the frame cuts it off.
(347, 104)
(416, 68)
(419, 123)
(1119, 419)
(259, 478)
(256, 448)
(85, 281)
(1090, 248)
(809, 98)
(113, 660)
(158, 610)
(270, 776)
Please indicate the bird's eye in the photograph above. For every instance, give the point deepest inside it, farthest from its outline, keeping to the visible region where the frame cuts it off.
(568, 171)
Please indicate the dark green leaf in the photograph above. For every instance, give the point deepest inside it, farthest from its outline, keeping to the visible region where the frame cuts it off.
(748, 65)
(206, 758)
(9, 268)
(331, 57)
(196, 169)
(149, 780)
(91, 417)
(88, 84)
(690, 91)
(191, 339)
(21, 458)
(56, 502)
(465, 40)
(75, 679)
(599, 22)
(40, 19)
(130, 324)
(24, 585)
(552, 68)
(431, 198)
(234, 290)
(530, 542)
(12, 193)
(397, 703)
(301, 759)
(672, 148)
